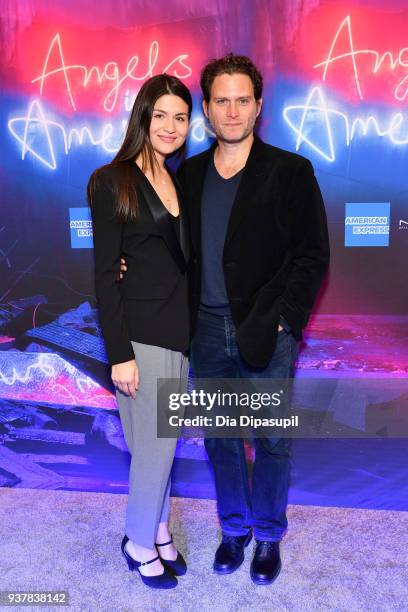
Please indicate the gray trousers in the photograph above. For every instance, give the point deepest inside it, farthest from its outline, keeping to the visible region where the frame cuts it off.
(152, 457)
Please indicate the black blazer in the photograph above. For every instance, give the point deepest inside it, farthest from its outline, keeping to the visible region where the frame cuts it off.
(150, 305)
(276, 249)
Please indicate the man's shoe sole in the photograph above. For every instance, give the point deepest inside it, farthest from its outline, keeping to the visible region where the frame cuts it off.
(229, 570)
(260, 581)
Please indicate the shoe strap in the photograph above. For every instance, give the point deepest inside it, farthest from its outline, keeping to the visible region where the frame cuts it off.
(147, 562)
(166, 543)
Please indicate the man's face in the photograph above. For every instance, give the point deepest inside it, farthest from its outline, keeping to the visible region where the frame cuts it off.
(232, 109)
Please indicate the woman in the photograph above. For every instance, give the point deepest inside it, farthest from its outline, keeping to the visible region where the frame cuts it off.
(137, 211)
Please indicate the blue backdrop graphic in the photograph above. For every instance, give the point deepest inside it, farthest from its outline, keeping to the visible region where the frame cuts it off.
(336, 86)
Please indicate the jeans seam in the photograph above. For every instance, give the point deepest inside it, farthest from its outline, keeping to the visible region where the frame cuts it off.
(245, 478)
(227, 336)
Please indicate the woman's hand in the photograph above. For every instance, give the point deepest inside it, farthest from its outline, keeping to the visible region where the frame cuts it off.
(125, 377)
(122, 269)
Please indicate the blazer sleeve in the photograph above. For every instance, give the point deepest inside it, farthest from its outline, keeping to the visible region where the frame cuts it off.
(309, 247)
(107, 239)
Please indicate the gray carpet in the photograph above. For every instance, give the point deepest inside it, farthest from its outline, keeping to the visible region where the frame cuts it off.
(333, 559)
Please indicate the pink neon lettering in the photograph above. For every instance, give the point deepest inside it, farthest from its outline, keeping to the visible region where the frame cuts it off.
(401, 89)
(109, 73)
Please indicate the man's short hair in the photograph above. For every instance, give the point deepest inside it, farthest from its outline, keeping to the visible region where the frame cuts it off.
(230, 64)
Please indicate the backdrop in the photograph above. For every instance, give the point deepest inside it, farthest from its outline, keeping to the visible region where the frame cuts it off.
(336, 90)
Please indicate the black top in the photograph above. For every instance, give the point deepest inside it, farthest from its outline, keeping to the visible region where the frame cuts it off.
(216, 203)
(176, 225)
(150, 305)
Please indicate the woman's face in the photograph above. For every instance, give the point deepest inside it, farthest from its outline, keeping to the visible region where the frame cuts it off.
(169, 124)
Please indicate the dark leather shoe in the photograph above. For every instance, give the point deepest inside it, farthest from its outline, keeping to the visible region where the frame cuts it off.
(266, 563)
(230, 553)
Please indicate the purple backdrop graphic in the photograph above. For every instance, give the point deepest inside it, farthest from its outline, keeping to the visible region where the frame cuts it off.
(336, 87)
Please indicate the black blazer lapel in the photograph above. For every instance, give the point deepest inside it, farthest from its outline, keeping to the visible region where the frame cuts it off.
(196, 182)
(163, 221)
(251, 179)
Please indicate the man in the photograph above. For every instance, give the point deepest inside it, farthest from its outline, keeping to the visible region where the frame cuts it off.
(261, 250)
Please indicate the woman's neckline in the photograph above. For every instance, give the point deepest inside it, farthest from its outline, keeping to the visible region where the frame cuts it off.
(155, 192)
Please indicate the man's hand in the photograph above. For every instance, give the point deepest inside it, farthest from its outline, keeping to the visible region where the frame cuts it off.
(125, 377)
(280, 328)
(123, 268)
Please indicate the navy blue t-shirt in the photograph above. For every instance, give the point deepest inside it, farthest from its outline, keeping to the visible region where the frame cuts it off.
(216, 204)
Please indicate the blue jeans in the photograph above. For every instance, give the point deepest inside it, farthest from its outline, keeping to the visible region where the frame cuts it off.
(215, 354)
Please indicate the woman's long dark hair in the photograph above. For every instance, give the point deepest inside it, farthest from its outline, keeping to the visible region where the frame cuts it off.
(136, 142)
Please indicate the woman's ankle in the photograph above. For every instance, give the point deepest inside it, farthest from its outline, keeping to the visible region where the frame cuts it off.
(163, 533)
(141, 553)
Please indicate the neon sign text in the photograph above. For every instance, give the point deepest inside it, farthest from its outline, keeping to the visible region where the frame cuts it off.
(38, 134)
(316, 120)
(398, 61)
(109, 73)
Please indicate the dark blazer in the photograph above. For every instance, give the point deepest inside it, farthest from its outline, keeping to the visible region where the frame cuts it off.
(276, 249)
(150, 305)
